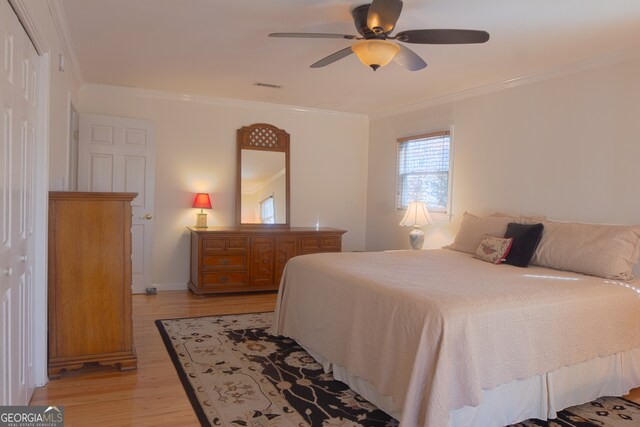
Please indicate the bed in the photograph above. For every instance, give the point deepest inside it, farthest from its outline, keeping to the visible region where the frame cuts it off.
(438, 338)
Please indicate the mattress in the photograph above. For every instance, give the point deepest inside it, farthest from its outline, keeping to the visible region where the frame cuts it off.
(434, 330)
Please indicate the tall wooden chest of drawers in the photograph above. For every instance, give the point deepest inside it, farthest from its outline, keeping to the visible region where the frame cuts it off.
(239, 259)
(90, 280)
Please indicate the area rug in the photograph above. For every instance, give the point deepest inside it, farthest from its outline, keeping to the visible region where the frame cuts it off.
(236, 374)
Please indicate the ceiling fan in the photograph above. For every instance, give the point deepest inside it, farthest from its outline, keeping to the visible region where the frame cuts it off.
(375, 22)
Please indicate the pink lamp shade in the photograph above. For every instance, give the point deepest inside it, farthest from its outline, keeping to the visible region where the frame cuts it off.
(202, 201)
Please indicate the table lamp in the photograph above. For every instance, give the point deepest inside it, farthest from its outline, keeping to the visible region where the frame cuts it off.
(416, 216)
(202, 201)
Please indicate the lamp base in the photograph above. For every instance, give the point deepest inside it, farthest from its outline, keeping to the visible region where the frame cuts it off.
(416, 238)
(201, 221)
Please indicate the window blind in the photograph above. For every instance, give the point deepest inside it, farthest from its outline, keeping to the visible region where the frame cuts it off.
(267, 215)
(423, 170)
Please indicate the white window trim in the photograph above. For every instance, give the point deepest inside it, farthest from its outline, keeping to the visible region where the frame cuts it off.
(438, 216)
(273, 209)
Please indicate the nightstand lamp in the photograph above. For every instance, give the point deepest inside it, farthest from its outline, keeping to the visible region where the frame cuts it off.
(202, 201)
(416, 216)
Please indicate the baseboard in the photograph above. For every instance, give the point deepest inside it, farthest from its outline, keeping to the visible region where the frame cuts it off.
(180, 286)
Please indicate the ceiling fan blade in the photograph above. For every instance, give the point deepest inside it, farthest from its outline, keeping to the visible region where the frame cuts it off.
(409, 59)
(333, 57)
(442, 36)
(313, 36)
(383, 15)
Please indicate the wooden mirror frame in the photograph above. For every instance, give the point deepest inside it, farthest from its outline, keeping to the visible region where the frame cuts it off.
(262, 137)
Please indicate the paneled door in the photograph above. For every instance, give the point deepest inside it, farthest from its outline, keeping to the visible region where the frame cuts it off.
(19, 63)
(117, 154)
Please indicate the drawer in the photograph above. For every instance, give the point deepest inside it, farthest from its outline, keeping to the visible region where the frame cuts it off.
(236, 244)
(224, 244)
(319, 244)
(224, 278)
(330, 243)
(213, 244)
(224, 261)
(309, 243)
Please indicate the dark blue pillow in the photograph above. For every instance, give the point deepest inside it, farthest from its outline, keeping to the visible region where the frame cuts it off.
(525, 241)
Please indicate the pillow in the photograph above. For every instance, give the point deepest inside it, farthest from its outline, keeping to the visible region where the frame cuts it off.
(522, 219)
(473, 228)
(493, 249)
(608, 251)
(525, 241)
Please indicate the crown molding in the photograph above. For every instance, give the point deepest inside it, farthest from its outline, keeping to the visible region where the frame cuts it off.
(62, 28)
(209, 100)
(261, 185)
(30, 26)
(564, 70)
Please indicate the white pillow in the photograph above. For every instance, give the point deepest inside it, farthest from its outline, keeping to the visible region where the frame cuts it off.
(608, 251)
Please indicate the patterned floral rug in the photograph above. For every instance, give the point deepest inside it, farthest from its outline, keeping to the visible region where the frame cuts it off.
(236, 374)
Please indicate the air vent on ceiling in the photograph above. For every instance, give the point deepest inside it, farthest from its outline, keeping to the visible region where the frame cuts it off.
(272, 86)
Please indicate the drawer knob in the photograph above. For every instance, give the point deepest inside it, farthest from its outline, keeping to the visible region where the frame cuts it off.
(224, 261)
(224, 279)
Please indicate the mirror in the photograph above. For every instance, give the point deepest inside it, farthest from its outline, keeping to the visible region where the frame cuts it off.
(262, 187)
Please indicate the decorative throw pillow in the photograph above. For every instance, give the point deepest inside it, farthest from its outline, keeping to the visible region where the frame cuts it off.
(473, 228)
(493, 249)
(608, 251)
(525, 241)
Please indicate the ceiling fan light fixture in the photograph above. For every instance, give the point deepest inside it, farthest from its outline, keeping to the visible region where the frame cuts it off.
(375, 53)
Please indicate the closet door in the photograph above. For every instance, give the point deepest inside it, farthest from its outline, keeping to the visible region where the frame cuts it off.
(18, 117)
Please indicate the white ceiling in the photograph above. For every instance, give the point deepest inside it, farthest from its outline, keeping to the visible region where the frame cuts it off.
(220, 48)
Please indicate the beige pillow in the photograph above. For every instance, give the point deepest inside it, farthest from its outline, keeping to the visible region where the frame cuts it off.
(473, 228)
(522, 219)
(608, 251)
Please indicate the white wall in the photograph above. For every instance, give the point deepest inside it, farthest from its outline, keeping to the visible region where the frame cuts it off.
(63, 89)
(196, 152)
(567, 147)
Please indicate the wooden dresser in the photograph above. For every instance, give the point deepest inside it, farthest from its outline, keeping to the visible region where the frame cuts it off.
(90, 280)
(238, 259)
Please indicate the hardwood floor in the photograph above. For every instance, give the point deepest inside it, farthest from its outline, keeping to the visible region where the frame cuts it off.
(152, 395)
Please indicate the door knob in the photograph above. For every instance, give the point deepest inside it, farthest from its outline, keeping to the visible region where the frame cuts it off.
(146, 216)
(8, 272)
(24, 258)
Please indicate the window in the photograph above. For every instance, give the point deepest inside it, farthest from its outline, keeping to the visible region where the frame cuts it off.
(267, 215)
(423, 171)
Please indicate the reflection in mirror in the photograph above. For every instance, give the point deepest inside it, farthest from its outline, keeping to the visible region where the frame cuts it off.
(262, 176)
(263, 187)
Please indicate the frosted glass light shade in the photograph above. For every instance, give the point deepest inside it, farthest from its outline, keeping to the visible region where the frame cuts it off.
(375, 53)
(417, 215)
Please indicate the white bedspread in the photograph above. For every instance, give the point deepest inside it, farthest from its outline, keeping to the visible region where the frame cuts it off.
(432, 329)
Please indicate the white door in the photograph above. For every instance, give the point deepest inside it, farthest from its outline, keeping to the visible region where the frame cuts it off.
(18, 119)
(117, 154)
